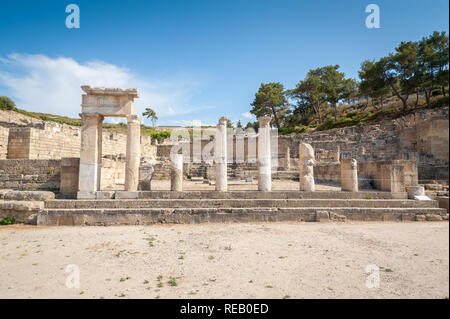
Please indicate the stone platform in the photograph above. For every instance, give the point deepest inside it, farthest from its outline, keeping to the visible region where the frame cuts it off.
(142, 208)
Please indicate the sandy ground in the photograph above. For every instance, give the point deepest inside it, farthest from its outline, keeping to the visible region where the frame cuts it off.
(276, 260)
(242, 185)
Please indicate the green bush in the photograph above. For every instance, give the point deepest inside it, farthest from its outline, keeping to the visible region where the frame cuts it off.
(7, 221)
(436, 92)
(6, 103)
(439, 102)
(297, 130)
(161, 135)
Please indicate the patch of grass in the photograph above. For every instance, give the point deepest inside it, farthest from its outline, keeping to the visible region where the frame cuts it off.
(172, 282)
(146, 282)
(388, 270)
(211, 257)
(269, 286)
(369, 197)
(124, 279)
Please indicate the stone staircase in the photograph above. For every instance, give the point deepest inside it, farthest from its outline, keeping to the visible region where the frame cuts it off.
(239, 206)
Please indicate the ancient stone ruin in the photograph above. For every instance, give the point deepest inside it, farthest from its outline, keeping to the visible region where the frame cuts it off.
(95, 177)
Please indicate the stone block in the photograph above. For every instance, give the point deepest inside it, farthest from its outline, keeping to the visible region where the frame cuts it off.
(433, 217)
(127, 195)
(105, 194)
(322, 216)
(86, 195)
(443, 202)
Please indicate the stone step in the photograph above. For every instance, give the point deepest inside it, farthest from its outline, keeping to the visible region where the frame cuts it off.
(239, 203)
(132, 216)
(207, 194)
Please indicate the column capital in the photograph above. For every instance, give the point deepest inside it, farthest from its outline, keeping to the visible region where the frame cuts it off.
(264, 120)
(133, 119)
(223, 121)
(91, 116)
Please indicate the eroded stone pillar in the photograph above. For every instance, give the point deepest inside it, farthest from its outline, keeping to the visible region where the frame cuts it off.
(220, 154)
(349, 175)
(133, 152)
(90, 154)
(287, 159)
(264, 155)
(176, 178)
(306, 163)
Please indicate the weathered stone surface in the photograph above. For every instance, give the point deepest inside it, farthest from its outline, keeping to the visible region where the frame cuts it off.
(443, 202)
(322, 216)
(220, 155)
(264, 155)
(433, 217)
(22, 211)
(415, 191)
(133, 152)
(7, 194)
(146, 172)
(421, 218)
(306, 162)
(176, 182)
(127, 195)
(349, 175)
(144, 216)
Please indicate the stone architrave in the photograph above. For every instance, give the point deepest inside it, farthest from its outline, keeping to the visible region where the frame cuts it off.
(220, 154)
(349, 175)
(264, 155)
(133, 152)
(176, 179)
(306, 163)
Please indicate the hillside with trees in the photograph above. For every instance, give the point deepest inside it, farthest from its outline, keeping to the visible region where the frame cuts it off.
(415, 75)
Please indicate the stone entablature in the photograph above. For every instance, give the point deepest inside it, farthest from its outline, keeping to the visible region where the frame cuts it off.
(108, 101)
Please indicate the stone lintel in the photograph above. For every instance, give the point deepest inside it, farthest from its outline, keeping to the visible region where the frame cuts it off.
(133, 92)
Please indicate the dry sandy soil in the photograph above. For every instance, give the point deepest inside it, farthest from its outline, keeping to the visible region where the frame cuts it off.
(235, 185)
(276, 260)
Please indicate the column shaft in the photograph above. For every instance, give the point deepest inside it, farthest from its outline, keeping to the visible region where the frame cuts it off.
(349, 175)
(176, 182)
(264, 155)
(220, 150)
(90, 154)
(133, 153)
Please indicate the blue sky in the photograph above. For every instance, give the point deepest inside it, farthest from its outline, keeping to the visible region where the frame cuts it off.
(192, 60)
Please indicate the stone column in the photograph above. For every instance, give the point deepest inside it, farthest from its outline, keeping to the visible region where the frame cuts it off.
(306, 163)
(90, 154)
(133, 152)
(176, 180)
(220, 154)
(349, 175)
(287, 159)
(264, 155)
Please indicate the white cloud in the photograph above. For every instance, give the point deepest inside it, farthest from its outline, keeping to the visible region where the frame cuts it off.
(248, 115)
(52, 85)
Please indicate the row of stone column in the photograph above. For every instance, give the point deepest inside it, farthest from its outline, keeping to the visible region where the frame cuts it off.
(349, 173)
(91, 153)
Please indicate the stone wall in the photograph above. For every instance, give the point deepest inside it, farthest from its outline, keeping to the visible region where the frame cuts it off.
(29, 174)
(377, 173)
(50, 140)
(4, 133)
